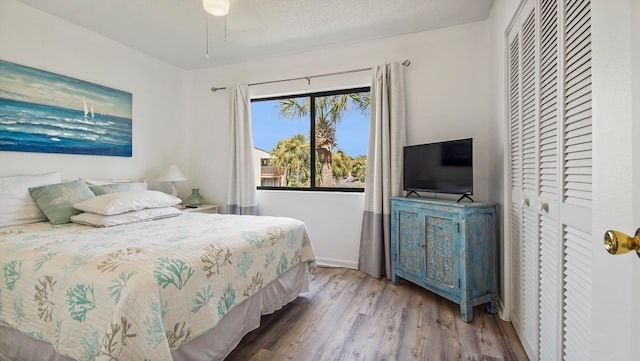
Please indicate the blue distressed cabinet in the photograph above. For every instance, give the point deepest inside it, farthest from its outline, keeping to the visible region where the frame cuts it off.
(448, 248)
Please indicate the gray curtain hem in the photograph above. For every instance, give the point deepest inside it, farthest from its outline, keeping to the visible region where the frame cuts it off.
(236, 209)
(375, 254)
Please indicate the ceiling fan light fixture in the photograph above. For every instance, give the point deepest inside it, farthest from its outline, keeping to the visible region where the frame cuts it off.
(216, 7)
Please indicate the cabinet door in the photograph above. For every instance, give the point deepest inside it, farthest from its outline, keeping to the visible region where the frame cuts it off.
(441, 249)
(410, 256)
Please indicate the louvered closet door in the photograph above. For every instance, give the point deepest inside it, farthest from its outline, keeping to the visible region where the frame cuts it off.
(576, 174)
(550, 340)
(549, 102)
(523, 114)
(515, 163)
(529, 115)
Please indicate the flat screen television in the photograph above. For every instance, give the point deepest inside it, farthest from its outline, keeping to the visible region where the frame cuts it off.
(441, 167)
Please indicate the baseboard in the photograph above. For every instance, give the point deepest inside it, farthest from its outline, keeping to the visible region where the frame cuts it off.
(331, 262)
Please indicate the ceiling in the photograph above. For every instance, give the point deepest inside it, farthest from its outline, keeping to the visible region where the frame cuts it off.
(175, 30)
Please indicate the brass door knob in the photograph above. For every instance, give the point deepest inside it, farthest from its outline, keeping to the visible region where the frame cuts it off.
(616, 242)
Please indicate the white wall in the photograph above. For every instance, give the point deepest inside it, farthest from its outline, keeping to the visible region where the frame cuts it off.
(448, 96)
(33, 38)
(333, 221)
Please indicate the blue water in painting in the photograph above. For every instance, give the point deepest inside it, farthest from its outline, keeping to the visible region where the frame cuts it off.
(29, 127)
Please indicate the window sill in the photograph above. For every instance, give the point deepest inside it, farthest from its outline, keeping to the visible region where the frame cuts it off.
(316, 189)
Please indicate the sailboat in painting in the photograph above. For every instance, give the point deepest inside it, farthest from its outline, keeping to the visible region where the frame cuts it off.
(88, 112)
(86, 109)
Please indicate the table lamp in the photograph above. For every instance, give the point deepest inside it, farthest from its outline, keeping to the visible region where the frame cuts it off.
(172, 174)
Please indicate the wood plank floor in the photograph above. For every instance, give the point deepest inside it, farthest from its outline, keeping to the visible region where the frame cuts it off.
(348, 315)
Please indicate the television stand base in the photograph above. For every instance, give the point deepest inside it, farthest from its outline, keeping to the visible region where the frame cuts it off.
(463, 197)
(414, 192)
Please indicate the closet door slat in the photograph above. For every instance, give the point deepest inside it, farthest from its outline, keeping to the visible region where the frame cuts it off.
(514, 113)
(529, 104)
(577, 294)
(577, 102)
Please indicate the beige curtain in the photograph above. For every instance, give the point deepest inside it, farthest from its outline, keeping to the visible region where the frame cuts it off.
(384, 168)
(241, 195)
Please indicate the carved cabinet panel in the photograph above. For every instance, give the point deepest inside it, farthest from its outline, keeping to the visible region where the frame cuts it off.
(448, 248)
(409, 248)
(439, 249)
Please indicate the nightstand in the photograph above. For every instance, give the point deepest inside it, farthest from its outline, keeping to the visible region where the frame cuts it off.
(205, 208)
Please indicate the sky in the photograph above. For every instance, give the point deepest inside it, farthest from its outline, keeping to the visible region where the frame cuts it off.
(267, 128)
(23, 83)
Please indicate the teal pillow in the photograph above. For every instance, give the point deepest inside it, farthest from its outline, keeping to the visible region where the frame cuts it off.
(56, 200)
(118, 187)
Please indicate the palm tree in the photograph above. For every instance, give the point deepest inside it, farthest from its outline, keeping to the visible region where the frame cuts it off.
(341, 165)
(328, 113)
(292, 156)
(359, 168)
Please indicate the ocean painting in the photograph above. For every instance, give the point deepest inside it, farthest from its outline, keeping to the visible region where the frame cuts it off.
(51, 113)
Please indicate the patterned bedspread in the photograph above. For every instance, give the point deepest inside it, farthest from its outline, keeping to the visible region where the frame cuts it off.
(138, 291)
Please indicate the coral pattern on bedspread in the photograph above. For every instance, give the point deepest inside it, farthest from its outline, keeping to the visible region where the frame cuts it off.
(139, 291)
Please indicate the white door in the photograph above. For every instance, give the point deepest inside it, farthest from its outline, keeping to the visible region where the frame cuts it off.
(586, 303)
(523, 130)
(616, 182)
(551, 175)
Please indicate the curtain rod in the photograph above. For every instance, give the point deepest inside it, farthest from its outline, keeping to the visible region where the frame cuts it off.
(308, 78)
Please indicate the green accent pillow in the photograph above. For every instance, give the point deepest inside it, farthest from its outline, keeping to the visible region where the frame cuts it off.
(118, 187)
(56, 200)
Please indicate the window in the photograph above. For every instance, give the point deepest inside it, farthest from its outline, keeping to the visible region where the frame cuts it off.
(282, 129)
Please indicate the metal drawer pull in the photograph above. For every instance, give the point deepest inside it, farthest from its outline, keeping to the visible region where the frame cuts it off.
(617, 242)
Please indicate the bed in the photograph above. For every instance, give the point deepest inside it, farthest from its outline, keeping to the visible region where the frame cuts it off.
(184, 287)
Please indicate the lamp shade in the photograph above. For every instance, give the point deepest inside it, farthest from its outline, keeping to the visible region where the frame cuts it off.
(172, 174)
(216, 7)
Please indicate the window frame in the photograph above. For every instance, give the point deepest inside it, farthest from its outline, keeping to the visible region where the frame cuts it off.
(312, 140)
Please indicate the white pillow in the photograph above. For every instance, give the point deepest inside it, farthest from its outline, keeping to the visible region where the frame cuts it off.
(116, 203)
(98, 220)
(16, 204)
(101, 182)
(118, 187)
